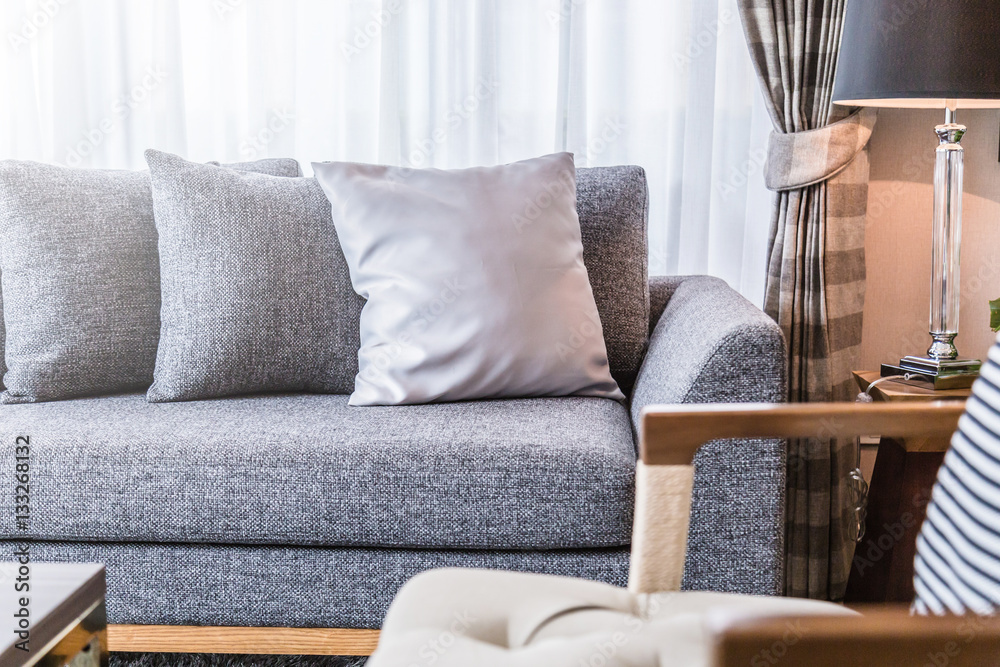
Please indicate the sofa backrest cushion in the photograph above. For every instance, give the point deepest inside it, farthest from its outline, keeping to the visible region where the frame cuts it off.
(612, 203)
(255, 292)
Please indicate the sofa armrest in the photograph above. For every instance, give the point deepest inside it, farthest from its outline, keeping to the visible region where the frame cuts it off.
(710, 345)
(661, 288)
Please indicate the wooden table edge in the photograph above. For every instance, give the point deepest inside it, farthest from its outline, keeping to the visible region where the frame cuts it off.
(892, 390)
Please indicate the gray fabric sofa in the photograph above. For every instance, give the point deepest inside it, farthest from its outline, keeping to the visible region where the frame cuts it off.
(297, 510)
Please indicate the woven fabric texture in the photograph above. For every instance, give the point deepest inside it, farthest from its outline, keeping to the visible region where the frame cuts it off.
(661, 288)
(3, 338)
(839, 142)
(816, 264)
(307, 469)
(255, 292)
(713, 346)
(474, 280)
(612, 203)
(196, 584)
(80, 274)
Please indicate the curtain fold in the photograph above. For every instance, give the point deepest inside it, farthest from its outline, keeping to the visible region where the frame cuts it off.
(815, 266)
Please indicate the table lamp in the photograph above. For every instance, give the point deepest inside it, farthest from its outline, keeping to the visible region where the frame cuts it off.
(931, 55)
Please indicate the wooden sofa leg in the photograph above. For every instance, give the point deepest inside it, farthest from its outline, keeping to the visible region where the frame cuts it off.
(272, 641)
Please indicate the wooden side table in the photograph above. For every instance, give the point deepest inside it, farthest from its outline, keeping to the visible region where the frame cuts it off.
(56, 611)
(904, 474)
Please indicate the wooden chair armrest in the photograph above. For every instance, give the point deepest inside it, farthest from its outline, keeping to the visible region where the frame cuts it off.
(672, 434)
(882, 637)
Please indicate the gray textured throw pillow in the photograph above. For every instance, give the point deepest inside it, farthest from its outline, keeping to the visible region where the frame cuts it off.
(80, 279)
(253, 285)
(475, 282)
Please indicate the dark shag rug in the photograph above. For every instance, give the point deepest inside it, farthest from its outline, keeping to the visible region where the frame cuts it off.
(219, 660)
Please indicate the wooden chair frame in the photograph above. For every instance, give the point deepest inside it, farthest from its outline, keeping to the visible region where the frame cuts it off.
(882, 635)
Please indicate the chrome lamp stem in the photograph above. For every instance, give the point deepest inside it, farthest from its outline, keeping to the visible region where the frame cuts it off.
(947, 239)
(941, 366)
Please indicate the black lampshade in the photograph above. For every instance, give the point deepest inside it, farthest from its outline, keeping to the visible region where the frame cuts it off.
(919, 53)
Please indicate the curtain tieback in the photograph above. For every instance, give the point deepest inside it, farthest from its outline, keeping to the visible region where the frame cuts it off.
(798, 159)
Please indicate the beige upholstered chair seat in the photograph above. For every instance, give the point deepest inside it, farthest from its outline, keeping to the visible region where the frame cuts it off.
(455, 617)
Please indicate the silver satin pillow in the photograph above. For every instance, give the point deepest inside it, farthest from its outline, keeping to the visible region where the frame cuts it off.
(475, 282)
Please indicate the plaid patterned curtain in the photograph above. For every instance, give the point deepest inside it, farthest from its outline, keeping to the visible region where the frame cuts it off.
(818, 166)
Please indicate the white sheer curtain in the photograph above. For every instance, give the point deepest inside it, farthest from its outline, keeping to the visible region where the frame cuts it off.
(444, 83)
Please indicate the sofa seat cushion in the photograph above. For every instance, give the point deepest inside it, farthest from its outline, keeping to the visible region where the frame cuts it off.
(309, 470)
(304, 587)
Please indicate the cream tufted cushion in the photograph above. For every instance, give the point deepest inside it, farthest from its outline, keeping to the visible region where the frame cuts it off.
(452, 618)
